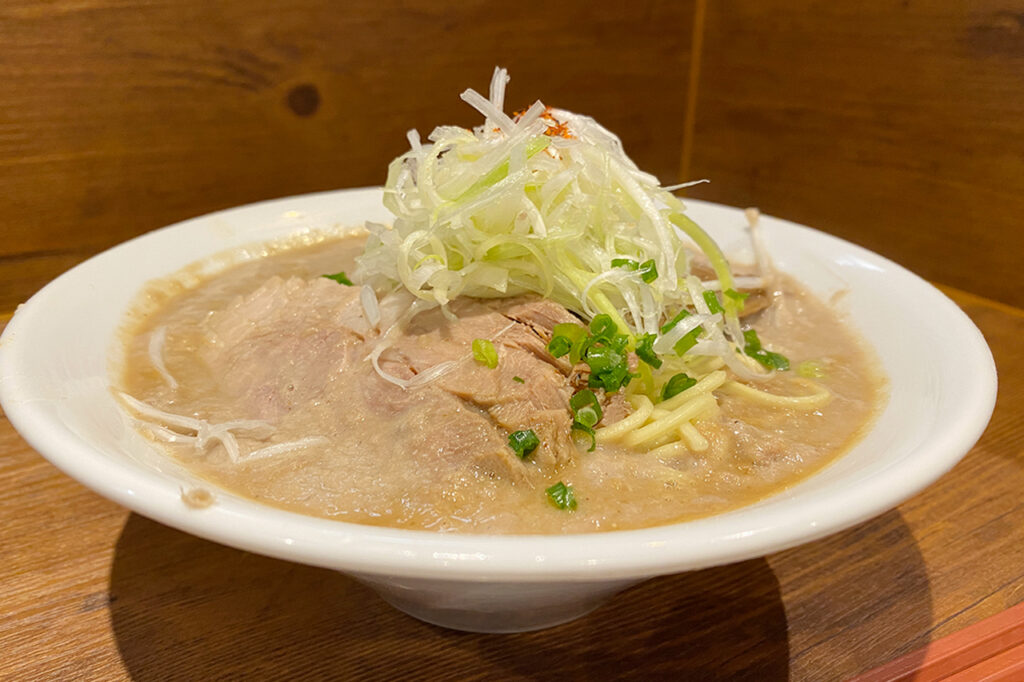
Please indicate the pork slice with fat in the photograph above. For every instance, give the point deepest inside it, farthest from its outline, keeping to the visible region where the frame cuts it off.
(528, 388)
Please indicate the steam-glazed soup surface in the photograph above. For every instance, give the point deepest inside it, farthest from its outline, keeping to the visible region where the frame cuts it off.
(261, 380)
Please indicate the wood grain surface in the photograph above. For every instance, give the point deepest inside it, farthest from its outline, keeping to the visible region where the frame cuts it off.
(120, 117)
(91, 591)
(897, 125)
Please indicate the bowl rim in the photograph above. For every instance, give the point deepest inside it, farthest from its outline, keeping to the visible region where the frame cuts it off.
(374, 550)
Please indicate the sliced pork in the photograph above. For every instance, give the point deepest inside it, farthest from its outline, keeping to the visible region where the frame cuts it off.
(295, 341)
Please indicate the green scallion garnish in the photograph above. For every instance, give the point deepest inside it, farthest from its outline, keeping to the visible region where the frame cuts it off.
(485, 353)
(562, 496)
(609, 368)
(648, 271)
(645, 350)
(589, 430)
(713, 303)
(586, 413)
(567, 338)
(585, 408)
(519, 380)
(737, 297)
(603, 350)
(670, 325)
(523, 443)
(573, 332)
(602, 327)
(340, 278)
(676, 385)
(559, 346)
(627, 263)
(688, 341)
(766, 358)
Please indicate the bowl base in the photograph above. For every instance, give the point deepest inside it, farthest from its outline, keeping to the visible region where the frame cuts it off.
(494, 607)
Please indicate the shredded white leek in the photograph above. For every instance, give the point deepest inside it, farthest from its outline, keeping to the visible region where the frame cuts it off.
(543, 202)
(157, 341)
(371, 308)
(168, 427)
(282, 448)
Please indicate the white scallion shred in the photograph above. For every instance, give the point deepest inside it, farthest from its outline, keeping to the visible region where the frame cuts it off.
(169, 427)
(282, 448)
(157, 341)
(371, 308)
(543, 203)
(684, 185)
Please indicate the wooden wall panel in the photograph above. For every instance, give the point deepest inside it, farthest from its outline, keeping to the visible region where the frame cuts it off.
(898, 125)
(119, 117)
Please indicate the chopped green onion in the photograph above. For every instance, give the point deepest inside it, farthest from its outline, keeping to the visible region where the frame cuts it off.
(603, 327)
(567, 337)
(608, 362)
(559, 346)
(340, 278)
(670, 325)
(604, 351)
(484, 353)
(773, 360)
(619, 342)
(573, 332)
(519, 380)
(688, 341)
(612, 379)
(645, 350)
(589, 430)
(579, 349)
(561, 495)
(766, 358)
(648, 271)
(810, 369)
(736, 296)
(752, 343)
(713, 304)
(586, 408)
(627, 263)
(523, 443)
(676, 385)
(602, 358)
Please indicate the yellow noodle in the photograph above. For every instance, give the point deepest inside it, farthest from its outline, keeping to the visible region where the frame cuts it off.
(707, 364)
(670, 475)
(689, 410)
(664, 439)
(818, 398)
(693, 438)
(642, 408)
(669, 451)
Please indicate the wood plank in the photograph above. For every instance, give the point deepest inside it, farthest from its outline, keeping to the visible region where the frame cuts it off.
(117, 118)
(961, 653)
(897, 125)
(24, 274)
(91, 591)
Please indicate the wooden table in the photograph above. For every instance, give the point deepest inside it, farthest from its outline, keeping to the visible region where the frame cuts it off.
(91, 591)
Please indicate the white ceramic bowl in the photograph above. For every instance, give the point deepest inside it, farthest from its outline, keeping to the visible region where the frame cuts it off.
(55, 360)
